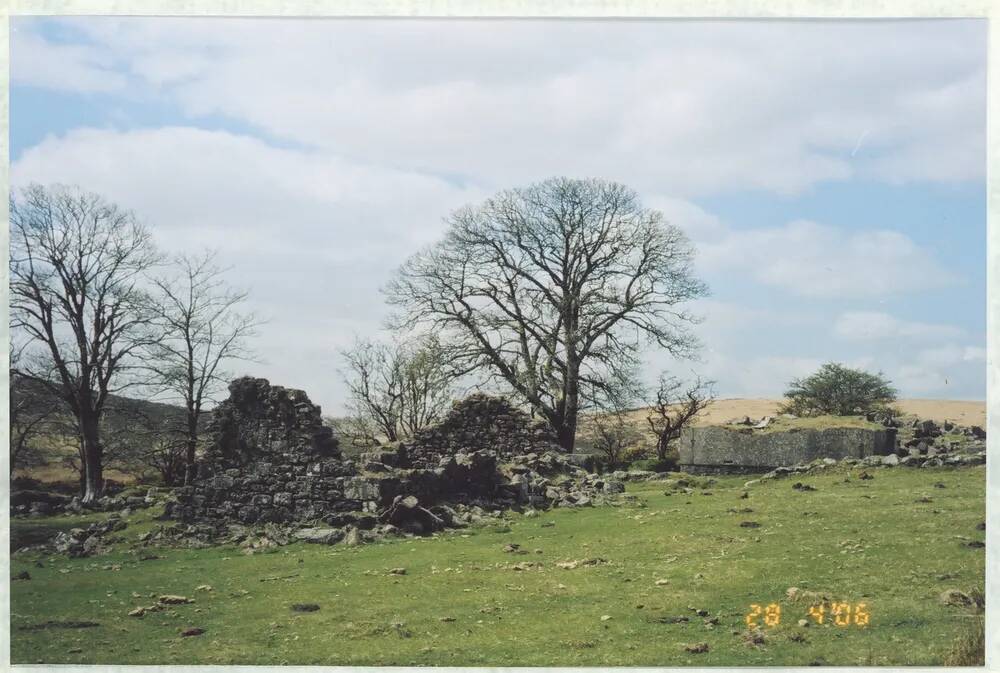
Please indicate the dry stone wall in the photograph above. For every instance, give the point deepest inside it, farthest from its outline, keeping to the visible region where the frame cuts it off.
(481, 422)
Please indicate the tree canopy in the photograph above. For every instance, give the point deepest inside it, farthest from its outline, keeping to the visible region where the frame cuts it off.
(553, 289)
(840, 391)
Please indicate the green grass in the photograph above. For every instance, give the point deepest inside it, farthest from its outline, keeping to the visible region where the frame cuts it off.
(861, 541)
(782, 424)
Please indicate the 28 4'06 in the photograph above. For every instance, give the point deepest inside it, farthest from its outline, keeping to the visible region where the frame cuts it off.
(838, 614)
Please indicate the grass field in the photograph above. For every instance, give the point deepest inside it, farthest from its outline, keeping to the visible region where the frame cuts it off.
(462, 602)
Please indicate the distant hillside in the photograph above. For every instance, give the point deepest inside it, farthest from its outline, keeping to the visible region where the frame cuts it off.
(119, 407)
(124, 420)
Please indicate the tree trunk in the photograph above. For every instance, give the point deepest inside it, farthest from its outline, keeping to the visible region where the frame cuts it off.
(566, 434)
(190, 469)
(662, 443)
(93, 461)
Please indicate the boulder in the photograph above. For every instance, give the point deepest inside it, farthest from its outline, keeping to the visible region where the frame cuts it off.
(319, 535)
(406, 513)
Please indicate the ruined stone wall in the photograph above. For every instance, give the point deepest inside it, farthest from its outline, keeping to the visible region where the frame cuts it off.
(722, 449)
(481, 422)
(270, 459)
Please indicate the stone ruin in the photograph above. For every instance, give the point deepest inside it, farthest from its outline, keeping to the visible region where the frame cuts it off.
(481, 422)
(917, 442)
(271, 460)
(723, 449)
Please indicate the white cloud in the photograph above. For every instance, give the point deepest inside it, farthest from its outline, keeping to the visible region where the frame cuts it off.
(684, 108)
(818, 260)
(875, 325)
(947, 371)
(311, 236)
(395, 123)
(63, 67)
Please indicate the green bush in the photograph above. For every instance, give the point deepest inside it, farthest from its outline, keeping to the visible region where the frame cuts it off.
(837, 390)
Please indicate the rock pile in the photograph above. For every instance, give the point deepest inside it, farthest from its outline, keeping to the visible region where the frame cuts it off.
(93, 539)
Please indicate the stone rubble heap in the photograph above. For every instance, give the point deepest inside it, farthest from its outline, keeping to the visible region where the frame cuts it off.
(94, 539)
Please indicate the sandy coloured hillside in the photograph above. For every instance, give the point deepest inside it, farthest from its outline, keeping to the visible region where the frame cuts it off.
(958, 411)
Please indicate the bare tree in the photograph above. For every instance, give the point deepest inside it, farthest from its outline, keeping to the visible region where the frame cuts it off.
(553, 289)
(32, 408)
(76, 263)
(140, 438)
(676, 405)
(612, 433)
(201, 330)
(396, 389)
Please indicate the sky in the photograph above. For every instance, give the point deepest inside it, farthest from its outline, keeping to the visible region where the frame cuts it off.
(831, 174)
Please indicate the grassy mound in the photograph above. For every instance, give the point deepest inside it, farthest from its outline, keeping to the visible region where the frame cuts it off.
(626, 593)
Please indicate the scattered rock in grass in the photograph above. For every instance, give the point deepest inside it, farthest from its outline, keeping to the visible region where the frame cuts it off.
(304, 607)
(749, 524)
(548, 524)
(661, 583)
(75, 650)
(981, 525)
(697, 648)
(512, 548)
(799, 486)
(711, 621)
(864, 476)
(352, 538)
(175, 600)
(573, 565)
(700, 612)
(670, 620)
(940, 484)
(975, 544)
(605, 618)
(194, 631)
(753, 638)
(957, 598)
(446, 619)
(744, 495)
(398, 571)
(804, 623)
(812, 597)
(23, 575)
(203, 587)
(149, 557)
(138, 612)
(924, 499)
(798, 638)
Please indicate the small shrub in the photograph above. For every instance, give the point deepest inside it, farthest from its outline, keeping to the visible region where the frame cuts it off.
(668, 464)
(839, 391)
